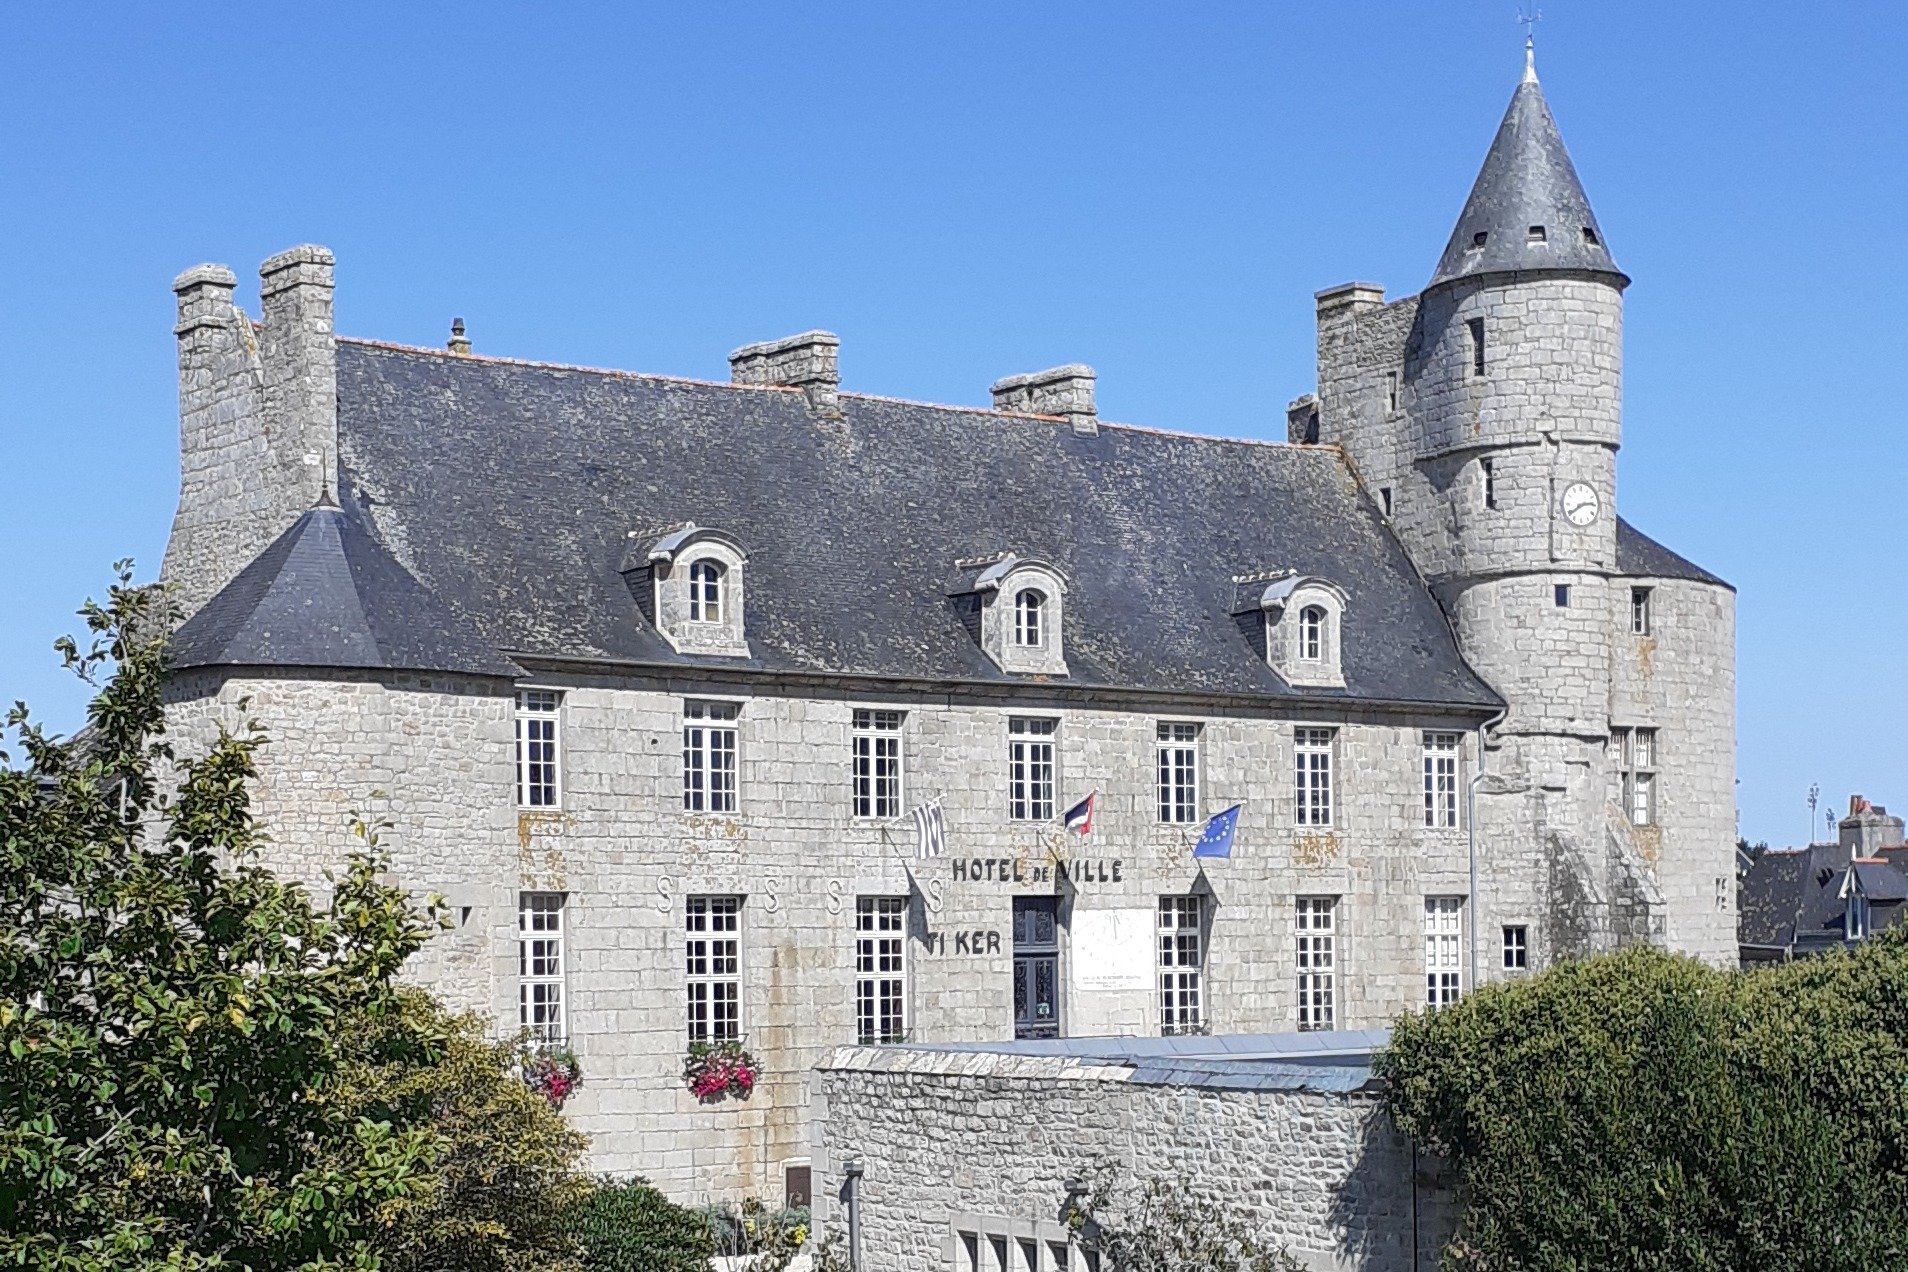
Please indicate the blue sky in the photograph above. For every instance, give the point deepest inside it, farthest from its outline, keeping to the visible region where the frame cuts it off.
(967, 191)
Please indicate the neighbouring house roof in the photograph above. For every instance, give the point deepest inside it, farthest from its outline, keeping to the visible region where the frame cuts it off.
(326, 593)
(1640, 556)
(1792, 899)
(509, 490)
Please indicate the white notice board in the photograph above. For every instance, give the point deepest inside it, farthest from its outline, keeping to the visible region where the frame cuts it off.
(1112, 949)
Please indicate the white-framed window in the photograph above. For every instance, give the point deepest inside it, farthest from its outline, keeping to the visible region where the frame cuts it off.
(540, 997)
(1182, 963)
(1443, 950)
(709, 756)
(705, 591)
(1317, 950)
(1177, 750)
(539, 720)
(1030, 775)
(1312, 633)
(1030, 618)
(1636, 767)
(881, 980)
(1642, 620)
(714, 968)
(1516, 947)
(1313, 776)
(877, 763)
(1855, 916)
(1441, 779)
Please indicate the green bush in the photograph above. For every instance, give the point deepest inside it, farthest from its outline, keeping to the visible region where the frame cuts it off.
(1640, 1110)
(627, 1226)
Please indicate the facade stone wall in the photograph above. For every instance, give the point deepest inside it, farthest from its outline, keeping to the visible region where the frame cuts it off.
(954, 1143)
(626, 855)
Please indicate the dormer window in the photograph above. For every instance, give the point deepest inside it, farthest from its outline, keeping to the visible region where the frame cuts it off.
(1030, 608)
(1015, 607)
(693, 587)
(1855, 917)
(1303, 619)
(1311, 633)
(705, 591)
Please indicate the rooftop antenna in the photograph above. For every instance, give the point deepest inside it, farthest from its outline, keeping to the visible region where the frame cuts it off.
(1528, 18)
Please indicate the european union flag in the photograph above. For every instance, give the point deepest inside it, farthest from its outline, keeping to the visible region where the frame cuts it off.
(1217, 839)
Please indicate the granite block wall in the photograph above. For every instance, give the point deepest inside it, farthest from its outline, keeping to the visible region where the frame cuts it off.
(951, 1145)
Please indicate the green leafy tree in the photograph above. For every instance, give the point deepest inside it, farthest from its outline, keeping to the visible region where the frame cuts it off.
(202, 1068)
(627, 1226)
(1640, 1110)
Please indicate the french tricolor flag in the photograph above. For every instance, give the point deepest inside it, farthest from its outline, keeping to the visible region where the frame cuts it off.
(1079, 818)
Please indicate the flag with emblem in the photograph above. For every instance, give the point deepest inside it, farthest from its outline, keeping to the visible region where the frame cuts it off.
(930, 831)
(1217, 839)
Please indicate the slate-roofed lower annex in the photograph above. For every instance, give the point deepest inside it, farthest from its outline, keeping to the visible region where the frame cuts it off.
(512, 490)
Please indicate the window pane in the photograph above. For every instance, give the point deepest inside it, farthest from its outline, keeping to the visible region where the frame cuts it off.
(540, 996)
(714, 968)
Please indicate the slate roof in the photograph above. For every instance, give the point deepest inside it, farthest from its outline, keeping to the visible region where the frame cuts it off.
(1328, 1061)
(1791, 899)
(326, 593)
(1640, 556)
(510, 489)
(1527, 180)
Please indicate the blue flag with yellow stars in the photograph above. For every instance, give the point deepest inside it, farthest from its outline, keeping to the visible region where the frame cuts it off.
(1217, 839)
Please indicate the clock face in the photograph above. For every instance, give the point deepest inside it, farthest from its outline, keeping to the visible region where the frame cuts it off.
(1580, 504)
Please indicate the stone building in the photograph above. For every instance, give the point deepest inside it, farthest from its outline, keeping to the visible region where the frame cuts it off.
(1802, 901)
(649, 673)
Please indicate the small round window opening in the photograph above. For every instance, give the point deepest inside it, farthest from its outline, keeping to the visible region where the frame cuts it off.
(1030, 615)
(705, 592)
(1480, 238)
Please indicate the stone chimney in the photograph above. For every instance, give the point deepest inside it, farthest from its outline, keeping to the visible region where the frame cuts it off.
(258, 429)
(1301, 419)
(458, 342)
(809, 362)
(299, 354)
(1356, 297)
(1868, 828)
(1064, 391)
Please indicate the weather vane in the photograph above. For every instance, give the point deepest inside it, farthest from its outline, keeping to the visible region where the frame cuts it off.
(1528, 19)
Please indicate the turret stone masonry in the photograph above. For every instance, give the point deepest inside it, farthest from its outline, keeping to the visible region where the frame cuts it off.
(652, 672)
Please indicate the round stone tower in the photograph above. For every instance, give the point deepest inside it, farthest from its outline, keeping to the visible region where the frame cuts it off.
(1514, 378)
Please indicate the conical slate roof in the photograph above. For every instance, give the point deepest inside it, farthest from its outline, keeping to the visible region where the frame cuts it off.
(1527, 210)
(326, 593)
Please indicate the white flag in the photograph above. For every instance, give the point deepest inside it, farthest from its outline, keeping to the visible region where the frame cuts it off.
(930, 831)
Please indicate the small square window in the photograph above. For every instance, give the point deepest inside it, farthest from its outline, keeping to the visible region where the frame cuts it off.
(1535, 234)
(1480, 238)
(1563, 596)
(1516, 947)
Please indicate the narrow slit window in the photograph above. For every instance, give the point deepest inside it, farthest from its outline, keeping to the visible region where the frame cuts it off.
(1563, 596)
(1487, 485)
(1477, 346)
(1642, 621)
(1384, 499)
(1391, 392)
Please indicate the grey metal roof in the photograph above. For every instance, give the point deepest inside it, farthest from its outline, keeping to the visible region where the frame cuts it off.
(1879, 881)
(1527, 183)
(510, 490)
(1330, 1061)
(326, 593)
(1640, 556)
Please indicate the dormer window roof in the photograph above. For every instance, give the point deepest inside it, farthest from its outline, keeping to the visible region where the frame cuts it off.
(695, 587)
(1015, 607)
(1303, 619)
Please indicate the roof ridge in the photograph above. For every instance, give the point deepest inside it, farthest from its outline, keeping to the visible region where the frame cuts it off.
(394, 346)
